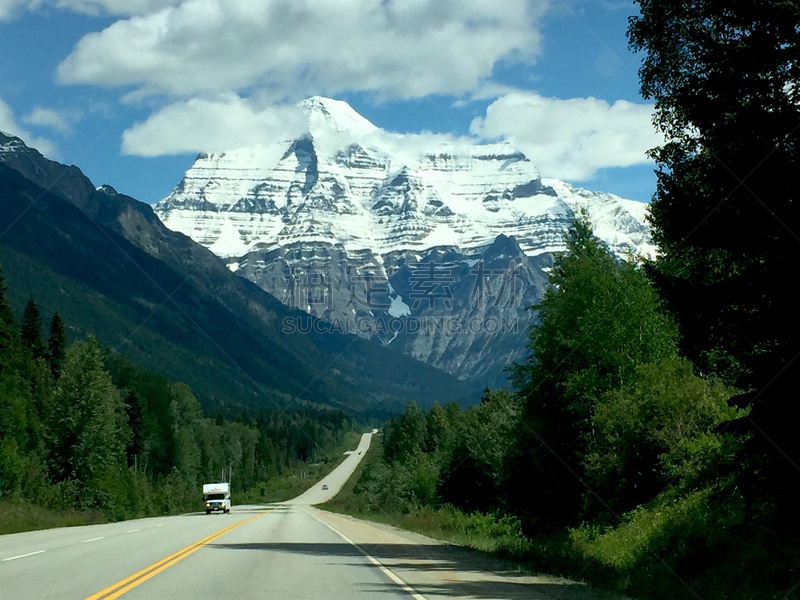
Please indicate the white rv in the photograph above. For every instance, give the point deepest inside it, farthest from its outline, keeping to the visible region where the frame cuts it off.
(217, 496)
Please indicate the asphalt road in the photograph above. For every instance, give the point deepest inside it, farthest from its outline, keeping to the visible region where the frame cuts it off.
(289, 551)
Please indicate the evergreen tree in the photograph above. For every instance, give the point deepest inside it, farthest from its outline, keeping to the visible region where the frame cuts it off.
(726, 214)
(6, 323)
(436, 428)
(724, 76)
(89, 440)
(31, 332)
(6, 314)
(57, 344)
(133, 410)
(406, 434)
(600, 319)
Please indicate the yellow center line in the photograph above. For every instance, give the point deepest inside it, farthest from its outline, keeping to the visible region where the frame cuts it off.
(127, 584)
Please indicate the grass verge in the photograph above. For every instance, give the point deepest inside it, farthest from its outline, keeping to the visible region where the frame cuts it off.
(498, 534)
(682, 546)
(16, 517)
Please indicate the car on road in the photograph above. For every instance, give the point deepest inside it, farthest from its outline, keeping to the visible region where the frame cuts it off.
(324, 487)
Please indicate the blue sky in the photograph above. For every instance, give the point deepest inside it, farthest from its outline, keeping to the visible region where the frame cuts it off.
(131, 90)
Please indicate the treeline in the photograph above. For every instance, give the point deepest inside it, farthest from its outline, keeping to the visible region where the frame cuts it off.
(612, 458)
(82, 428)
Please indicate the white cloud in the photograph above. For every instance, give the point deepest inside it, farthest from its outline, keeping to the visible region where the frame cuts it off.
(232, 122)
(571, 139)
(47, 117)
(10, 9)
(212, 126)
(115, 7)
(297, 48)
(9, 125)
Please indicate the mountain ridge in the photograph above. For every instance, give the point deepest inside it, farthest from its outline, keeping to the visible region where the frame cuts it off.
(184, 296)
(377, 191)
(366, 203)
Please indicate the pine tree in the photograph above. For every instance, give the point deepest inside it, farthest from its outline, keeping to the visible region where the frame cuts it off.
(726, 214)
(133, 409)
(57, 344)
(6, 314)
(600, 319)
(89, 440)
(7, 334)
(31, 332)
(436, 428)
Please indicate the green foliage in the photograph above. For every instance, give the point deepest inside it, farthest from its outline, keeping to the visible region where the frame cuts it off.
(724, 76)
(489, 532)
(364, 495)
(398, 487)
(645, 533)
(475, 469)
(437, 429)
(612, 461)
(406, 434)
(31, 332)
(7, 337)
(91, 432)
(56, 345)
(6, 314)
(18, 516)
(600, 319)
(657, 430)
(698, 544)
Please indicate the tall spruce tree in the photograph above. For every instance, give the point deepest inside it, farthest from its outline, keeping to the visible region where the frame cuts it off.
(56, 344)
(88, 436)
(31, 331)
(600, 320)
(6, 314)
(7, 333)
(725, 77)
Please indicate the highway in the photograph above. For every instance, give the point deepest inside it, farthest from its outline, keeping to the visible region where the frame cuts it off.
(286, 551)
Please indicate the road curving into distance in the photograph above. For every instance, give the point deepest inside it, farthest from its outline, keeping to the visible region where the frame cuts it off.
(286, 551)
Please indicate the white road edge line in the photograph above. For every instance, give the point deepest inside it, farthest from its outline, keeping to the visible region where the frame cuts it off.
(386, 571)
(21, 556)
(132, 530)
(102, 537)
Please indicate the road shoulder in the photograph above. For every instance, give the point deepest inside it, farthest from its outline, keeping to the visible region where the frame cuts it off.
(437, 569)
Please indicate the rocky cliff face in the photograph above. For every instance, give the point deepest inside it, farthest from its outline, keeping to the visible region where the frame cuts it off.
(406, 239)
(110, 267)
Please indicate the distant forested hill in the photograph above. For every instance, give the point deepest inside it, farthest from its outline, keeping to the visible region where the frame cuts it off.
(106, 262)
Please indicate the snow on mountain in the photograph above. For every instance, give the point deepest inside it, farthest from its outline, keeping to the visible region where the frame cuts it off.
(325, 115)
(359, 210)
(352, 185)
(10, 143)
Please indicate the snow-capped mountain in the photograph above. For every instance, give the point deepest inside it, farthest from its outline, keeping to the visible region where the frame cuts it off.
(352, 196)
(348, 183)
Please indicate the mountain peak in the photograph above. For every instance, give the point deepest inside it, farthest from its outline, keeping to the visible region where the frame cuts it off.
(9, 142)
(352, 185)
(326, 115)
